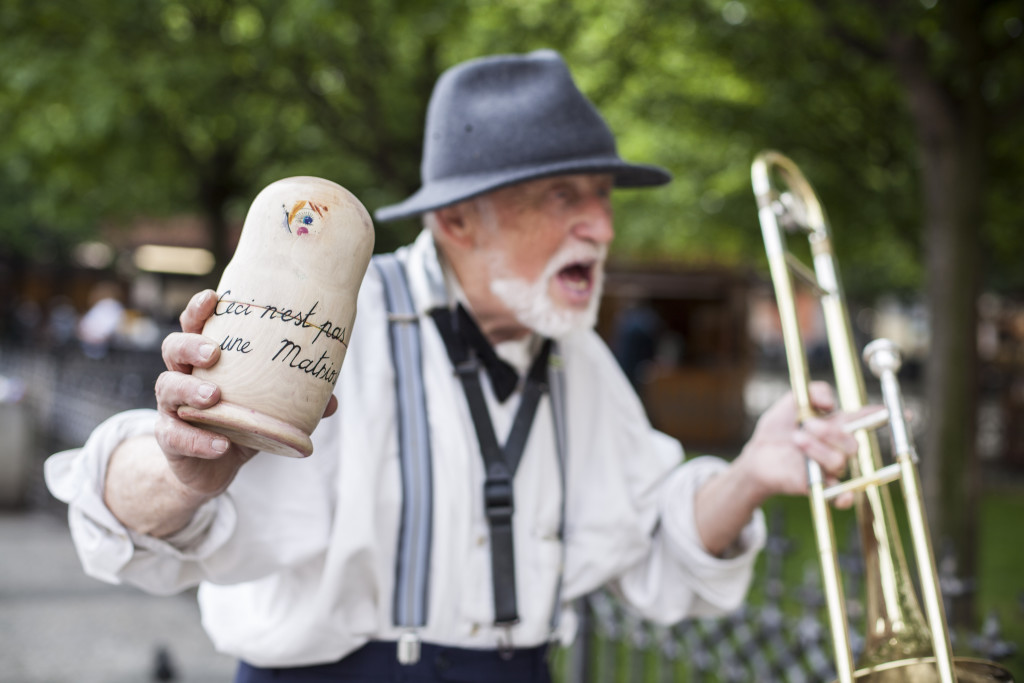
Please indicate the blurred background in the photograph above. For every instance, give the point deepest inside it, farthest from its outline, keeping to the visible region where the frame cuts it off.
(133, 137)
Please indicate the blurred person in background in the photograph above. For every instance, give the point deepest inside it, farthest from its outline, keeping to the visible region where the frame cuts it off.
(61, 323)
(101, 322)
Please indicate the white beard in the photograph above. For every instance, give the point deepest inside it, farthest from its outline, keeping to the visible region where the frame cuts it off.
(531, 302)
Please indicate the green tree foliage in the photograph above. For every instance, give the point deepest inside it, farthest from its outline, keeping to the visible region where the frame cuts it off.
(118, 109)
(113, 110)
(701, 87)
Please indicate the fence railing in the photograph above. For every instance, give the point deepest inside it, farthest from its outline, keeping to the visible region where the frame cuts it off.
(778, 636)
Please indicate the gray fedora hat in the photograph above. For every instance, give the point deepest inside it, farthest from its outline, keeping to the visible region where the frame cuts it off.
(500, 120)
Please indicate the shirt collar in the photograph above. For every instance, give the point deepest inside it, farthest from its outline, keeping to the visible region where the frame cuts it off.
(427, 279)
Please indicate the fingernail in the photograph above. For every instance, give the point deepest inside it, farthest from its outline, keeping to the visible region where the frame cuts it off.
(206, 390)
(220, 445)
(206, 351)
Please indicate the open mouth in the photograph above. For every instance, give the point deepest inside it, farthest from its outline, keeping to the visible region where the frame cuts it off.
(577, 281)
(302, 231)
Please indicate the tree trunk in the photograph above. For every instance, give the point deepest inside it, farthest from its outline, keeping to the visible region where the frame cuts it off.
(949, 455)
(216, 185)
(951, 140)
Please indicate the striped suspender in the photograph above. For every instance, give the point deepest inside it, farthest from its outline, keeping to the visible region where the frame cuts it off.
(412, 569)
(414, 541)
(556, 382)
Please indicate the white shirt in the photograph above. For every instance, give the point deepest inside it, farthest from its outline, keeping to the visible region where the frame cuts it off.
(296, 561)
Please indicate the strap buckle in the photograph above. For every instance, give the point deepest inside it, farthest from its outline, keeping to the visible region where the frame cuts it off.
(498, 499)
(470, 366)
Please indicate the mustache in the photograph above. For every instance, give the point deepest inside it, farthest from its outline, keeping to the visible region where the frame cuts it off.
(577, 252)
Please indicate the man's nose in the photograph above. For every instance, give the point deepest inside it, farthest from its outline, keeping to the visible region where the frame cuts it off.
(596, 224)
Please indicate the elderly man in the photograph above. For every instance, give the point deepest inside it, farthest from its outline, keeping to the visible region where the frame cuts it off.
(537, 479)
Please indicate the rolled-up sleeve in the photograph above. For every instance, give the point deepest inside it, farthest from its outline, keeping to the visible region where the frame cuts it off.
(630, 523)
(108, 550)
(679, 578)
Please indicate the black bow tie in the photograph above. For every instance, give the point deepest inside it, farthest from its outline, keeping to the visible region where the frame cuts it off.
(461, 335)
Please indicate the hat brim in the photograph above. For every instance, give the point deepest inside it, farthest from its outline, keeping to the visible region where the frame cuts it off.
(447, 191)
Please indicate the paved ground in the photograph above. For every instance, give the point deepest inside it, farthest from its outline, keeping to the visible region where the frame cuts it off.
(59, 626)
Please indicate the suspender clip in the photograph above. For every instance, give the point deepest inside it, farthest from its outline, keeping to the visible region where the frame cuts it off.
(506, 649)
(408, 648)
(498, 503)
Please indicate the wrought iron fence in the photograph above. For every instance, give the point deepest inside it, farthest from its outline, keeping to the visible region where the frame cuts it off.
(778, 636)
(71, 393)
(781, 635)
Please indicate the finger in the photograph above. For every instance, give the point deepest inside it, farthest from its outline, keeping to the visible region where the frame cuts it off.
(843, 500)
(872, 417)
(831, 432)
(175, 389)
(332, 406)
(199, 309)
(823, 398)
(868, 417)
(177, 437)
(183, 351)
(832, 461)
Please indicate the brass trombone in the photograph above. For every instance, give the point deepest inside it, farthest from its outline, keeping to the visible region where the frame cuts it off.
(902, 643)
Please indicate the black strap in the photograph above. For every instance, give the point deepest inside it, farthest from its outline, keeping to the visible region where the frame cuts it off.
(461, 330)
(500, 464)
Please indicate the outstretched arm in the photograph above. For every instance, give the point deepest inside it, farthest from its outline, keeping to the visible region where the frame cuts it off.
(773, 463)
(155, 483)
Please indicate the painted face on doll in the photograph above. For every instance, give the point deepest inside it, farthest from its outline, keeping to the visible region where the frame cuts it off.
(305, 218)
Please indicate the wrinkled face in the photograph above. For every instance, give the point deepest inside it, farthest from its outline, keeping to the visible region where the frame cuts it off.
(545, 243)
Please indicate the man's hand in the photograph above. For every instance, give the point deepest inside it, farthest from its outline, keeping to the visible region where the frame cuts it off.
(154, 484)
(774, 462)
(774, 456)
(204, 462)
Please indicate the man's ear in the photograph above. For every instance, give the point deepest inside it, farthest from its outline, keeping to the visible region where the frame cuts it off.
(457, 223)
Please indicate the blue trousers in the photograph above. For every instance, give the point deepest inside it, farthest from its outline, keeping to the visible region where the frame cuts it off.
(376, 663)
